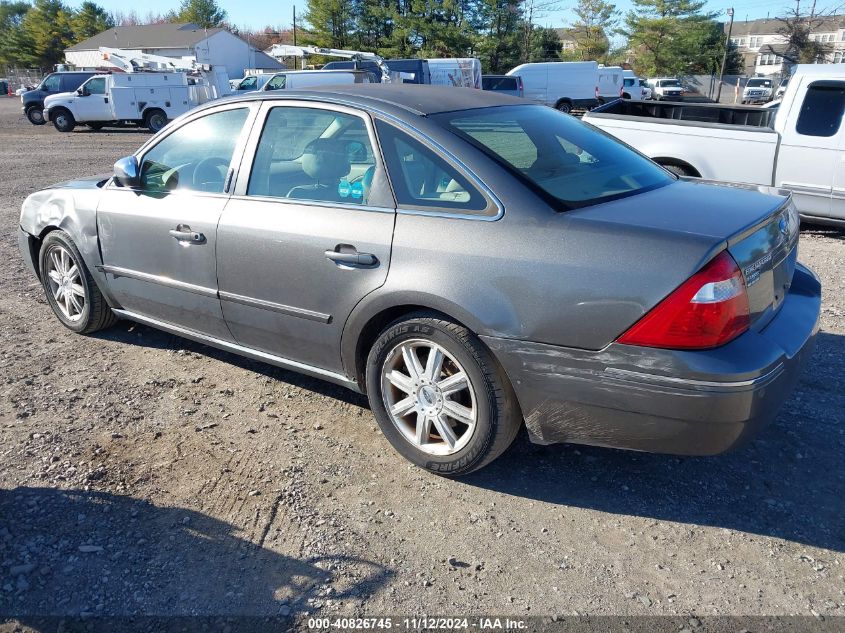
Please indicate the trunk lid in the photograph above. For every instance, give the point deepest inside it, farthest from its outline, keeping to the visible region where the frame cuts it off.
(758, 226)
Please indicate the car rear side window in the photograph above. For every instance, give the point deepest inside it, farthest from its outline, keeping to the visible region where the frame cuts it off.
(196, 156)
(568, 163)
(424, 180)
(313, 154)
(822, 110)
(498, 83)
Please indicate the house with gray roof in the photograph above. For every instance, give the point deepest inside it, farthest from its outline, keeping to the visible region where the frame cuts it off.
(217, 47)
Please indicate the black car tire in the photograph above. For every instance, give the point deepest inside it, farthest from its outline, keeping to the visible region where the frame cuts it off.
(63, 120)
(565, 107)
(35, 115)
(678, 170)
(498, 415)
(96, 314)
(155, 120)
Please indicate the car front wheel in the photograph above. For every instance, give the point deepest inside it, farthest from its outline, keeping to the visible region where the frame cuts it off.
(71, 291)
(439, 396)
(63, 121)
(35, 115)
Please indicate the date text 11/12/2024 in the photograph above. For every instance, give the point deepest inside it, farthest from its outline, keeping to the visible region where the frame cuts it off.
(417, 623)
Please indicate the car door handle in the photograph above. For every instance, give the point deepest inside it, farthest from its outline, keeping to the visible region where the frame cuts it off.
(353, 258)
(185, 234)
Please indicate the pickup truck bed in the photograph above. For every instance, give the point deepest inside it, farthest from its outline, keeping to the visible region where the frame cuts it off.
(696, 113)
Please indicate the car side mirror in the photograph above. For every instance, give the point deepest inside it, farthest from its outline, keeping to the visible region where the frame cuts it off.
(126, 172)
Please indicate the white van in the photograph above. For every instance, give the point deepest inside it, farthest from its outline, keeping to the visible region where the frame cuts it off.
(463, 72)
(566, 86)
(610, 83)
(296, 79)
(633, 87)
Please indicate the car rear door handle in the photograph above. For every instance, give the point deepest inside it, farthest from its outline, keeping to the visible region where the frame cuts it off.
(352, 257)
(183, 233)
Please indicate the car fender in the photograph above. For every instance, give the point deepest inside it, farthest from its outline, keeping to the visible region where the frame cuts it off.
(71, 207)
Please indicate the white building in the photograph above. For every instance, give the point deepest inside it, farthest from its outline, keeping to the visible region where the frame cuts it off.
(217, 47)
(762, 47)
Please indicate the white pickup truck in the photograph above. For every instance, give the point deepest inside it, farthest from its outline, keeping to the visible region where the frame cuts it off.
(799, 145)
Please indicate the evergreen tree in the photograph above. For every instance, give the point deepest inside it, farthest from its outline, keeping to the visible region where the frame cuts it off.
(89, 20)
(11, 16)
(332, 22)
(595, 21)
(660, 32)
(46, 32)
(206, 14)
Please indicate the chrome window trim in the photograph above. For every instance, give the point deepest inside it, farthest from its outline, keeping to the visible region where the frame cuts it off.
(315, 203)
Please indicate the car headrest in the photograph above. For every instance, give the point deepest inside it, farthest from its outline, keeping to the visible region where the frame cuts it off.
(325, 160)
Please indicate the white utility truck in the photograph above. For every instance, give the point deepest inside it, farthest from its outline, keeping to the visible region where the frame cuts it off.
(566, 86)
(799, 145)
(462, 72)
(150, 91)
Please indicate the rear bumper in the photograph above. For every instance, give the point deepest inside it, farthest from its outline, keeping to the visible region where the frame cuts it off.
(681, 402)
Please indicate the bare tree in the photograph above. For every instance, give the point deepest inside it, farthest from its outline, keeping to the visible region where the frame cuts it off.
(798, 28)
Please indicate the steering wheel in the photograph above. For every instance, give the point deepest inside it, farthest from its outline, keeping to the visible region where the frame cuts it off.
(210, 174)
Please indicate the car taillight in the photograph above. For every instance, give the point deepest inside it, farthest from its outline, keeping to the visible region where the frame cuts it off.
(707, 310)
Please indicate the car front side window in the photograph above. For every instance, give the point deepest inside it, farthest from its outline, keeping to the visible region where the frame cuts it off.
(313, 154)
(277, 83)
(196, 156)
(51, 84)
(96, 86)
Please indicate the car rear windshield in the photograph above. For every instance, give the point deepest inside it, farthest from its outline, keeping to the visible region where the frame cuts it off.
(569, 163)
(498, 83)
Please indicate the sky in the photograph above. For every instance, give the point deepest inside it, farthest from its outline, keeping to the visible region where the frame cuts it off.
(260, 13)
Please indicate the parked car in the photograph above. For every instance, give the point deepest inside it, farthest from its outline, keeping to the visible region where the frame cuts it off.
(503, 84)
(800, 145)
(666, 89)
(565, 86)
(414, 71)
(647, 93)
(252, 83)
(782, 88)
(298, 79)
(32, 102)
(758, 90)
(465, 258)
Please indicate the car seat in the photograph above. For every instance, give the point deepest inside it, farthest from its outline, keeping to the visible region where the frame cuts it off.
(325, 161)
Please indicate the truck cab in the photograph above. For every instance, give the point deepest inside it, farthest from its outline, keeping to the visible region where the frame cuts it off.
(758, 90)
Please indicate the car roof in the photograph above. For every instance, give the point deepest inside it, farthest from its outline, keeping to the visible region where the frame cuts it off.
(421, 100)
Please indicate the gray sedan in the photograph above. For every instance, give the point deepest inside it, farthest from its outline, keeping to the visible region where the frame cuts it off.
(471, 262)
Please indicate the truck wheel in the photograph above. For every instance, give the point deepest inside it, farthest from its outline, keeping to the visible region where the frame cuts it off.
(63, 121)
(439, 396)
(565, 107)
(35, 115)
(156, 120)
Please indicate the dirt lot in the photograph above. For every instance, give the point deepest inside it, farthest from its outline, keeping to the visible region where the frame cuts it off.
(144, 474)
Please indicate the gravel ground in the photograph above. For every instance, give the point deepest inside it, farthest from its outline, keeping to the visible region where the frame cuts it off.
(144, 474)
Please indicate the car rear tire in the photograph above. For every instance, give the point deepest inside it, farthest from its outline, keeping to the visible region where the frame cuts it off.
(155, 121)
(63, 120)
(35, 115)
(439, 396)
(71, 291)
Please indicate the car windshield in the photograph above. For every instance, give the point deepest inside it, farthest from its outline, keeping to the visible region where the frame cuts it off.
(569, 163)
(669, 83)
(757, 83)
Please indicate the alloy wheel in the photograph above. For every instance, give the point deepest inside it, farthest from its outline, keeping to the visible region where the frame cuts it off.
(429, 397)
(65, 282)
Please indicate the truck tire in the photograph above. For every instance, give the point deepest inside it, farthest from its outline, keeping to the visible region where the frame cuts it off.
(564, 106)
(35, 114)
(63, 120)
(678, 170)
(155, 120)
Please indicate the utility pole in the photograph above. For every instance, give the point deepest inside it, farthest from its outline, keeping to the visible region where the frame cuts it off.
(294, 34)
(725, 56)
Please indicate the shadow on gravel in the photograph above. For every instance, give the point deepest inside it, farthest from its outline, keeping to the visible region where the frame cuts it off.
(833, 232)
(789, 483)
(73, 552)
(136, 334)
